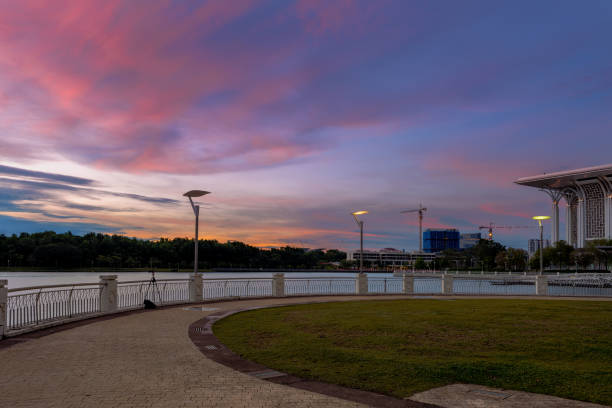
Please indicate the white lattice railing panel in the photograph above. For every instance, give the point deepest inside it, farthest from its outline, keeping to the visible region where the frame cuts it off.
(36, 306)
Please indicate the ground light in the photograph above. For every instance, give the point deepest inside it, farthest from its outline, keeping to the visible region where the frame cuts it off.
(539, 218)
(196, 211)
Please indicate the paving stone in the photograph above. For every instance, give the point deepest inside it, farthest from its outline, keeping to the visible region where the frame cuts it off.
(138, 360)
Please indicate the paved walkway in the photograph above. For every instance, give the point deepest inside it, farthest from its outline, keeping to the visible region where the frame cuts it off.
(140, 360)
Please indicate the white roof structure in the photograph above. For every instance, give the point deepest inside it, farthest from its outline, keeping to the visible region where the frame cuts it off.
(588, 193)
(562, 179)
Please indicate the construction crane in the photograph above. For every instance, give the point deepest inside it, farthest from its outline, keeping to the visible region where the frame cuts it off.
(492, 226)
(420, 210)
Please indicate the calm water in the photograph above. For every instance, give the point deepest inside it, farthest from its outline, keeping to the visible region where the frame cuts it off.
(25, 279)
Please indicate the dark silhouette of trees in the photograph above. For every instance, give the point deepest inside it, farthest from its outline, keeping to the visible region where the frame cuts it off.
(48, 249)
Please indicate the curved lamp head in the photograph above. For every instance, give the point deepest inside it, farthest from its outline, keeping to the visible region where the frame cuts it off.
(539, 218)
(356, 213)
(195, 193)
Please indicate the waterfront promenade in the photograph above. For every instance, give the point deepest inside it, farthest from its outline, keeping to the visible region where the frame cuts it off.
(146, 359)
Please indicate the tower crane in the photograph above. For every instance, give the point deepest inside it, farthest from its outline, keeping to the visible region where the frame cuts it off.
(492, 226)
(420, 210)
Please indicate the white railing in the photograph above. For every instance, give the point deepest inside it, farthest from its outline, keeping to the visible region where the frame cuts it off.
(502, 285)
(428, 285)
(238, 287)
(319, 286)
(37, 305)
(30, 308)
(131, 294)
(576, 285)
(385, 285)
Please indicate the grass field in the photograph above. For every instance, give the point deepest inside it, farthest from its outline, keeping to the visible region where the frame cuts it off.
(399, 347)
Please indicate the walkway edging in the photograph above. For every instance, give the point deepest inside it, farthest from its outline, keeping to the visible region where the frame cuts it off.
(203, 337)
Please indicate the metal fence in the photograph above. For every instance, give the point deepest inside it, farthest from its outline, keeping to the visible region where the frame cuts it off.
(36, 305)
(231, 288)
(494, 286)
(40, 305)
(319, 286)
(593, 285)
(428, 285)
(131, 294)
(33, 307)
(385, 285)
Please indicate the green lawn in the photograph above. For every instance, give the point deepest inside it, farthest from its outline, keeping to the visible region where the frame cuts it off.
(399, 347)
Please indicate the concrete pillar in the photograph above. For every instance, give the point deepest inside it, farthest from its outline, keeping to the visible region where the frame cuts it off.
(608, 214)
(361, 284)
(581, 223)
(555, 223)
(447, 284)
(541, 285)
(407, 284)
(278, 285)
(108, 293)
(568, 224)
(3, 307)
(196, 288)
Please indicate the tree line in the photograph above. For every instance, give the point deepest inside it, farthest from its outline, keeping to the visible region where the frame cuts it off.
(493, 256)
(94, 250)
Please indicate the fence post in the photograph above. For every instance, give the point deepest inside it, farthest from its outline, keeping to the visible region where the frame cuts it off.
(3, 307)
(447, 284)
(361, 284)
(541, 285)
(407, 284)
(108, 293)
(278, 285)
(196, 287)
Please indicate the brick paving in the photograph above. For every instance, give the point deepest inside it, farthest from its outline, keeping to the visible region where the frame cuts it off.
(139, 360)
(142, 360)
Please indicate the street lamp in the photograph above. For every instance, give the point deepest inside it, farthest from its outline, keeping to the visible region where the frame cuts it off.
(196, 211)
(360, 223)
(539, 218)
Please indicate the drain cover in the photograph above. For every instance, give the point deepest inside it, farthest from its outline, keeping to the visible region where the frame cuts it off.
(493, 394)
(211, 347)
(201, 308)
(266, 374)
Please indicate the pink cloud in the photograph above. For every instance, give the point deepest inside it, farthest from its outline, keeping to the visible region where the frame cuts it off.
(503, 209)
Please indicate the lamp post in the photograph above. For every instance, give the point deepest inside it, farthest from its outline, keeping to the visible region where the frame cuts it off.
(360, 223)
(539, 218)
(196, 211)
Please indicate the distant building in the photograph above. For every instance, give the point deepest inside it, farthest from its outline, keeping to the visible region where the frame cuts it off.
(389, 257)
(534, 244)
(469, 240)
(436, 240)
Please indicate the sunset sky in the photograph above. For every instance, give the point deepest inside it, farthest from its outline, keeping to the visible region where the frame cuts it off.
(295, 113)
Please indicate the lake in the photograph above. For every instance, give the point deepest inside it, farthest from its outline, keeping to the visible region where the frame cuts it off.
(25, 279)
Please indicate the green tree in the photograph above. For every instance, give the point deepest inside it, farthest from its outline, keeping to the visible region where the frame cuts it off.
(485, 253)
(419, 264)
(583, 257)
(501, 260)
(517, 259)
(600, 256)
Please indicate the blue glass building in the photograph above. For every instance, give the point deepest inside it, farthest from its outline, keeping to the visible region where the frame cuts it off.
(436, 240)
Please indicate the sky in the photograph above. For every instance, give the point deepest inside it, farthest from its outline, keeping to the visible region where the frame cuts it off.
(295, 113)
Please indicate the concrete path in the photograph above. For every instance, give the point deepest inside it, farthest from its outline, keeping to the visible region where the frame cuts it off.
(138, 360)
(478, 396)
(142, 360)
